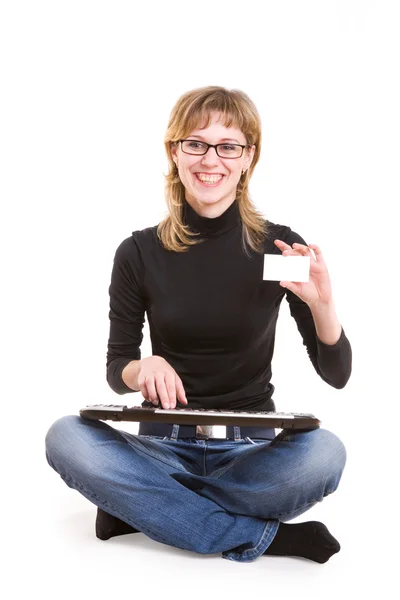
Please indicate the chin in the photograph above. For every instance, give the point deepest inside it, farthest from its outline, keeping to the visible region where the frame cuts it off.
(208, 201)
(209, 197)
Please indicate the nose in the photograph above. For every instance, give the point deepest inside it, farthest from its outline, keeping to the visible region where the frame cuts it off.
(210, 157)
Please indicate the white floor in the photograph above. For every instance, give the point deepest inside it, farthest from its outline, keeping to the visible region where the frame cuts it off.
(52, 552)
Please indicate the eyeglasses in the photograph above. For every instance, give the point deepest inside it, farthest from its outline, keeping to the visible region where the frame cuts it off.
(223, 150)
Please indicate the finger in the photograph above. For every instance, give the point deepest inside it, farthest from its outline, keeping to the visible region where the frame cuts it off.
(288, 250)
(317, 251)
(282, 245)
(180, 391)
(170, 387)
(151, 389)
(291, 286)
(144, 393)
(162, 390)
(301, 247)
(304, 250)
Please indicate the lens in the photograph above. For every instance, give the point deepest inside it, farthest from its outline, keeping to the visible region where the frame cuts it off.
(229, 150)
(194, 147)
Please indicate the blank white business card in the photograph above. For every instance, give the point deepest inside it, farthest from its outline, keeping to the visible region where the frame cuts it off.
(286, 268)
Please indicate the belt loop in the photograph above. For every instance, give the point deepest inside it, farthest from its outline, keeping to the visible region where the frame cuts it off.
(236, 434)
(175, 432)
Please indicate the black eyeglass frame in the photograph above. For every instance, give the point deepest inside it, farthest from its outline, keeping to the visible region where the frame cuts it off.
(213, 146)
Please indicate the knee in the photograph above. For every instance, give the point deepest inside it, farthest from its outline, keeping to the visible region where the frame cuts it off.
(330, 445)
(327, 457)
(59, 438)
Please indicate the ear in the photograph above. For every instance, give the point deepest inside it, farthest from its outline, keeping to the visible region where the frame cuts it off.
(249, 157)
(174, 152)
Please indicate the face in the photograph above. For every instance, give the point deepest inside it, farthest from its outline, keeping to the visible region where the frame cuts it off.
(210, 181)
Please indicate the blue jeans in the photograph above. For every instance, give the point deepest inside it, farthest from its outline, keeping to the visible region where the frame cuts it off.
(207, 496)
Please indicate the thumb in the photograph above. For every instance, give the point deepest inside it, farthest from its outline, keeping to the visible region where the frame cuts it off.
(295, 288)
(292, 287)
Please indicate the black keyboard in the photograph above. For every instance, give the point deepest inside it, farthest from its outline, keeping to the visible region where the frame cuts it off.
(202, 416)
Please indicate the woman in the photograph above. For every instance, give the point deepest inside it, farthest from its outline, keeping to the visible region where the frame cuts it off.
(212, 319)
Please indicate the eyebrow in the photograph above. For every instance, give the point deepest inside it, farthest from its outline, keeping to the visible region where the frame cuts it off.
(222, 139)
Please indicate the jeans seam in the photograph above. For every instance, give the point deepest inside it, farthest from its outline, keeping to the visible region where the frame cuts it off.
(162, 460)
(254, 552)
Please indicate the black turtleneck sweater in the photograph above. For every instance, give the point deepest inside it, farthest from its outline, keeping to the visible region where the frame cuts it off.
(211, 315)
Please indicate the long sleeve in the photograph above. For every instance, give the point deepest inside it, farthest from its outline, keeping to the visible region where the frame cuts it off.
(211, 315)
(333, 363)
(127, 309)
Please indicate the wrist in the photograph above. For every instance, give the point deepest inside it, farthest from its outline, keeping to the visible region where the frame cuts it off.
(327, 325)
(322, 307)
(130, 374)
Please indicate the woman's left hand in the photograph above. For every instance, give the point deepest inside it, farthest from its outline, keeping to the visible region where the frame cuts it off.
(318, 289)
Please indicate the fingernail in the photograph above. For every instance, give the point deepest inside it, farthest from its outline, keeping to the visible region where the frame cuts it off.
(166, 405)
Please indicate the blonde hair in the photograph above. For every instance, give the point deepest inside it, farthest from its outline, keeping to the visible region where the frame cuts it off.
(192, 109)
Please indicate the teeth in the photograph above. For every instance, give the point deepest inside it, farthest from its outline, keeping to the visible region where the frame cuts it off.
(209, 178)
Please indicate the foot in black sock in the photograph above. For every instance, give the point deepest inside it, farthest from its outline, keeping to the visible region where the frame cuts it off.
(108, 526)
(310, 540)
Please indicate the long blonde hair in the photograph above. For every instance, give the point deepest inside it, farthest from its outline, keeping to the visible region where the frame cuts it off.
(193, 108)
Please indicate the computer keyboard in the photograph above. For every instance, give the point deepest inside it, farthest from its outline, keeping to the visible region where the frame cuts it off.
(202, 416)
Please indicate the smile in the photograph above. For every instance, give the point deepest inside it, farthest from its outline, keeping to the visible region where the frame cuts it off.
(209, 180)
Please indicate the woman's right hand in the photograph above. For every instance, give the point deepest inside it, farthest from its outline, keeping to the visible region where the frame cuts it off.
(158, 381)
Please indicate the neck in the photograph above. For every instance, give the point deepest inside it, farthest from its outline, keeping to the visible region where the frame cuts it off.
(210, 211)
(215, 222)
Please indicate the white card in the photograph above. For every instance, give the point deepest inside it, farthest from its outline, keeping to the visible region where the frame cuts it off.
(286, 268)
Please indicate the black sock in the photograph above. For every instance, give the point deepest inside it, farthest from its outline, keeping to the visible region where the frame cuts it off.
(108, 526)
(310, 540)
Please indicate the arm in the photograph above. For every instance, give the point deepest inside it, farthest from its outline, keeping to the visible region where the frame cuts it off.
(127, 309)
(311, 305)
(326, 323)
(130, 375)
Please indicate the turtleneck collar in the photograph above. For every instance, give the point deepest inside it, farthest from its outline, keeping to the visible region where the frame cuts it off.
(211, 227)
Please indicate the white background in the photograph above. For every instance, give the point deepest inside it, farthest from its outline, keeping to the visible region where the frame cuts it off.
(86, 92)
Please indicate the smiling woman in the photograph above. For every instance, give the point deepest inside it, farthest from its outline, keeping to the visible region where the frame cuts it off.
(212, 321)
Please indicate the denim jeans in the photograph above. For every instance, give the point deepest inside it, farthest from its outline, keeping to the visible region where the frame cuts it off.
(208, 496)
